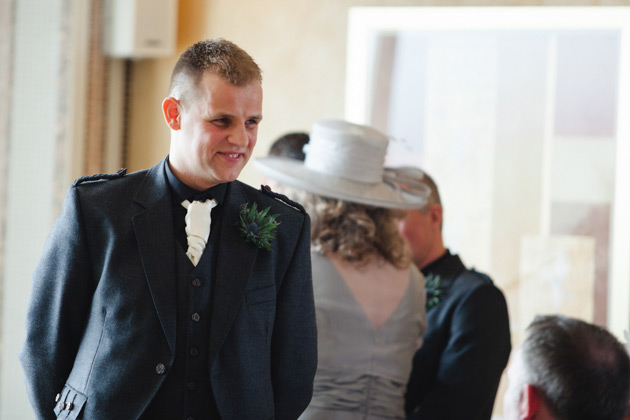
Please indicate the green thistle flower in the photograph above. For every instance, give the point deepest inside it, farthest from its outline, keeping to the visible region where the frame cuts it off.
(257, 227)
(435, 290)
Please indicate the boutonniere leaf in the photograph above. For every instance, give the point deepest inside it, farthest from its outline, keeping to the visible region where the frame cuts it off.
(435, 290)
(257, 227)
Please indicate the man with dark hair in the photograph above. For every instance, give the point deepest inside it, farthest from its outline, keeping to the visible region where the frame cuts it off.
(178, 292)
(290, 145)
(568, 369)
(457, 370)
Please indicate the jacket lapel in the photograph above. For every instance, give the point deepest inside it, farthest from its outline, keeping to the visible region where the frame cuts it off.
(153, 227)
(234, 265)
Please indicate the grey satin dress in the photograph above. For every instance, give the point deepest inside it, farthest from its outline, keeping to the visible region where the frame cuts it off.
(362, 372)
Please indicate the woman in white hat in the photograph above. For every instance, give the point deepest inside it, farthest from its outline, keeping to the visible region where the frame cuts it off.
(369, 299)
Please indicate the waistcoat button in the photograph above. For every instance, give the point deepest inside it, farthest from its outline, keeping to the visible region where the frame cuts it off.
(160, 369)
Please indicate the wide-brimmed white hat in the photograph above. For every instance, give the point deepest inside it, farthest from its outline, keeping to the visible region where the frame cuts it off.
(346, 161)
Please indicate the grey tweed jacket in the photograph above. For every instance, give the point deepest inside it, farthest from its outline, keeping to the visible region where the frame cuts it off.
(102, 313)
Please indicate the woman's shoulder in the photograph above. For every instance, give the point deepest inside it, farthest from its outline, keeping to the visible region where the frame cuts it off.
(416, 277)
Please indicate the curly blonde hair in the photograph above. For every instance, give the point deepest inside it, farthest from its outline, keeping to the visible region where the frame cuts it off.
(355, 232)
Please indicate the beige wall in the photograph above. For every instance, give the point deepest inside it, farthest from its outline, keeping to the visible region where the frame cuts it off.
(299, 44)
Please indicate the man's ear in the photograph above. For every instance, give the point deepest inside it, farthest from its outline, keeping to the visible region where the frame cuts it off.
(530, 402)
(170, 110)
(436, 214)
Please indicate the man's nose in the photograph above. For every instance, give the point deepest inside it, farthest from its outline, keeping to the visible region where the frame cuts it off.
(239, 137)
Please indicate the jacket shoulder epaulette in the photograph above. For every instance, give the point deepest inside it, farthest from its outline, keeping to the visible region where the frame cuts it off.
(479, 275)
(100, 177)
(266, 189)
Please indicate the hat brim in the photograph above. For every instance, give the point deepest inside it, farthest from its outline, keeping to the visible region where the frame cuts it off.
(294, 173)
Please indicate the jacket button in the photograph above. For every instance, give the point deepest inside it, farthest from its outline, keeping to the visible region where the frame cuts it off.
(57, 397)
(160, 369)
(267, 188)
(194, 352)
(196, 282)
(196, 317)
(59, 406)
(69, 406)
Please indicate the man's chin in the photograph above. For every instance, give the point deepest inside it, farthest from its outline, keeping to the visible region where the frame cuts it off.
(226, 175)
(228, 178)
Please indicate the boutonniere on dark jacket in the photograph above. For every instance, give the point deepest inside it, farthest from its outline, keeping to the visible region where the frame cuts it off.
(435, 290)
(257, 227)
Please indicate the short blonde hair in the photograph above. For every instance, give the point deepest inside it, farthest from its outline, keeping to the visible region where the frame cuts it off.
(218, 56)
(355, 232)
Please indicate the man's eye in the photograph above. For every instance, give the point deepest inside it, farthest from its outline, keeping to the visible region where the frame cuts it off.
(252, 122)
(222, 122)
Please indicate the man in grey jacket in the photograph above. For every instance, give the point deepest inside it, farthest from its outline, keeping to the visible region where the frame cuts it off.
(123, 323)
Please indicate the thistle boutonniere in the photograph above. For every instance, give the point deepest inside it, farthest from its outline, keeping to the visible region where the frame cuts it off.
(257, 227)
(435, 290)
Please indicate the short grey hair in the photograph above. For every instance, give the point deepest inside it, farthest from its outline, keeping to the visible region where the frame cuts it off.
(421, 177)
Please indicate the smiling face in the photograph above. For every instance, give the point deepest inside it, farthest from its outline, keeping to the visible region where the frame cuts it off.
(213, 130)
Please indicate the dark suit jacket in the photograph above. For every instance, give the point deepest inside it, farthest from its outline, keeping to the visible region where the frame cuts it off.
(457, 370)
(102, 314)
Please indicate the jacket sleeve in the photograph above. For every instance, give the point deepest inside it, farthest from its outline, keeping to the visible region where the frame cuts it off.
(472, 362)
(57, 309)
(294, 341)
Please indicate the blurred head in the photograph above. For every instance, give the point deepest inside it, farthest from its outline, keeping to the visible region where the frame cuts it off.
(568, 369)
(422, 228)
(356, 233)
(213, 110)
(291, 146)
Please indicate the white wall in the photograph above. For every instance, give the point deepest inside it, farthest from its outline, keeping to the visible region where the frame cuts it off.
(48, 63)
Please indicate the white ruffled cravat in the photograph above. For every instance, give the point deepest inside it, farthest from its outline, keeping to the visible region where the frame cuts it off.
(197, 227)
